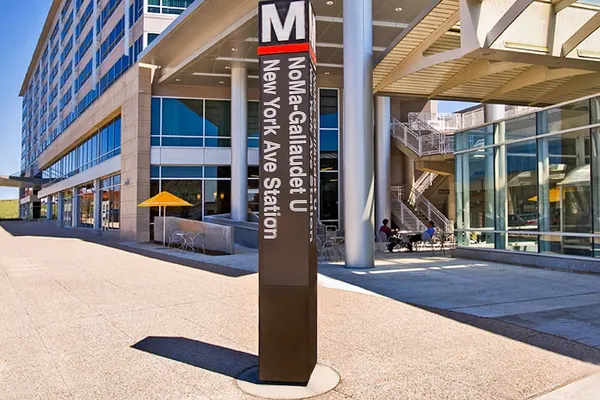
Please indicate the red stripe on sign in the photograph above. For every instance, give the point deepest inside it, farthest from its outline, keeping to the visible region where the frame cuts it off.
(287, 48)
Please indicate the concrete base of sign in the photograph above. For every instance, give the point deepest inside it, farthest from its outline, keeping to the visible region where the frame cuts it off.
(322, 380)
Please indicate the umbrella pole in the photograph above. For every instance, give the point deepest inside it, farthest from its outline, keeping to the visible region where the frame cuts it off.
(164, 223)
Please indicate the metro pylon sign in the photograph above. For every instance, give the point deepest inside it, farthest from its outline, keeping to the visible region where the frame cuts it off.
(288, 192)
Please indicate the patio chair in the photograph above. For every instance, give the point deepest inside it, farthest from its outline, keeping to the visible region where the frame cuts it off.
(175, 237)
(199, 239)
(381, 241)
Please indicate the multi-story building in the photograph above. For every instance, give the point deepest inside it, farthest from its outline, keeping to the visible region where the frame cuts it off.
(126, 98)
(85, 47)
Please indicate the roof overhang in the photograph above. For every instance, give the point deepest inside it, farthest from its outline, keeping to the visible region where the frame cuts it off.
(18, 182)
(529, 52)
(200, 47)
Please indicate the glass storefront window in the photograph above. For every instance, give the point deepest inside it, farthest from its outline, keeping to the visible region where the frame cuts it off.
(190, 191)
(68, 208)
(217, 197)
(111, 202)
(253, 189)
(520, 127)
(567, 116)
(182, 117)
(521, 186)
(253, 124)
(218, 123)
(86, 205)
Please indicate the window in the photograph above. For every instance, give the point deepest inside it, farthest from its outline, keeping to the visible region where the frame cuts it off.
(66, 27)
(151, 37)
(111, 41)
(328, 156)
(103, 145)
(66, 50)
(168, 6)
(84, 47)
(65, 99)
(113, 74)
(83, 76)
(85, 196)
(106, 13)
(85, 17)
(136, 49)
(66, 74)
(111, 202)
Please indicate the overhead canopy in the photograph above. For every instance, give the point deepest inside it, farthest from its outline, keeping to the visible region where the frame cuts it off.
(529, 52)
(19, 182)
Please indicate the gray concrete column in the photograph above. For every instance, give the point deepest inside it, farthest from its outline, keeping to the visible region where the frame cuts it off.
(239, 144)
(358, 133)
(452, 198)
(409, 175)
(49, 211)
(75, 209)
(60, 208)
(97, 205)
(383, 154)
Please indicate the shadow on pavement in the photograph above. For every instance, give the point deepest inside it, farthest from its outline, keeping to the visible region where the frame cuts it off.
(203, 355)
(412, 281)
(111, 239)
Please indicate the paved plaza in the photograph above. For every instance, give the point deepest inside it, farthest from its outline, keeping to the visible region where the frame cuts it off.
(87, 317)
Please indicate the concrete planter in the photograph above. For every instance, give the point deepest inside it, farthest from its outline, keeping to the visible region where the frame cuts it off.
(218, 238)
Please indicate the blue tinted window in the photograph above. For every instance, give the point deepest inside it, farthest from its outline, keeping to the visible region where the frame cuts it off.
(181, 172)
(328, 108)
(154, 171)
(328, 140)
(182, 141)
(217, 172)
(182, 117)
(218, 118)
(155, 122)
(209, 142)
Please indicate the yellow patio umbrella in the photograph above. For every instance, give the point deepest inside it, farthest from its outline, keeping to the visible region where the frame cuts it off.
(553, 195)
(164, 199)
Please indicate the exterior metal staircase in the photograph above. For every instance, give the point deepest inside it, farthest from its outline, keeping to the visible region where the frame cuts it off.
(423, 140)
(402, 215)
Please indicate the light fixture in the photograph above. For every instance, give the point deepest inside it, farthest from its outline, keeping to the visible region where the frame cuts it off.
(198, 196)
(177, 80)
(398, 9)
(221, 82)
(222, 196)
(329, 3)
(234, 49)
(215, 195)
(227, 67)
(327, 73)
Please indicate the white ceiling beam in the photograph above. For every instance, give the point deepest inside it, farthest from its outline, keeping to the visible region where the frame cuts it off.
(477, 69)
(382, 24)
(533, 76)
(581, 34)
(506, 20)
(559, 5)
(416, 61)
(576, 84)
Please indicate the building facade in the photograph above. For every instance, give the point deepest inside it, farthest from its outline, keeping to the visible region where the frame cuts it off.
(126, 98)
(530, 183)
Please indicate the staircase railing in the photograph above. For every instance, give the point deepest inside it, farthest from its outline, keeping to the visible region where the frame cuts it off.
(425, 207)
(424, 182)
(421, 138)
(404, 215)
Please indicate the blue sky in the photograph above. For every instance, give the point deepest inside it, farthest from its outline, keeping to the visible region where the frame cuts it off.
(19, 30)
(453, 106)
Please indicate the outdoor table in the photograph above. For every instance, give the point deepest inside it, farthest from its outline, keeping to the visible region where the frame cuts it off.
(187, 241)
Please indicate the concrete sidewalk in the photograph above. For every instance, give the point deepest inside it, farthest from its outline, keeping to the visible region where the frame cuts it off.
(89, 320)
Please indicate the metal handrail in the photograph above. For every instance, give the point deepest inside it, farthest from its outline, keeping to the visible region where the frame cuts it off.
(423, 205)
(403, 213)
(442, 122)
(421, 138)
